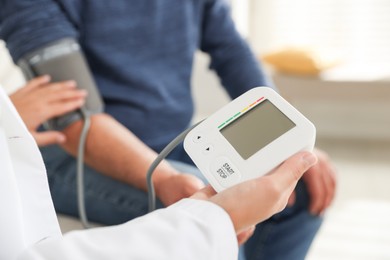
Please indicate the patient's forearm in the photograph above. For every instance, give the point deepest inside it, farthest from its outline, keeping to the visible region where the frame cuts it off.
(113, 150)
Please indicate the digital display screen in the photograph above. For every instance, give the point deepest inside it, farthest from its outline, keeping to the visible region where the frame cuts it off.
(257, 128)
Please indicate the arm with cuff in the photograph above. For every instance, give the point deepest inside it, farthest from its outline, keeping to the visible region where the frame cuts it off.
(111, 148)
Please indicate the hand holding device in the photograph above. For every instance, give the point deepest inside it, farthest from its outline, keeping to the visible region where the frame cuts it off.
(248, 138)
(254, 201)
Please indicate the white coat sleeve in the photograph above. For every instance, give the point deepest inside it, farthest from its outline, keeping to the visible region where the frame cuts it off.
(27, 211)
(189, 229)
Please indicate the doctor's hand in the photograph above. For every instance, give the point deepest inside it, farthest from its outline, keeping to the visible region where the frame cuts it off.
(254, 201)
(41, 100)
(321, 183)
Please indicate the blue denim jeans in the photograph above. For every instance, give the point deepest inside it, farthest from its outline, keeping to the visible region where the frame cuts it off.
(286, 235)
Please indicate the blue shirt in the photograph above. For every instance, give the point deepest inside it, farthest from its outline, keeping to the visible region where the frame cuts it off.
(140, 52)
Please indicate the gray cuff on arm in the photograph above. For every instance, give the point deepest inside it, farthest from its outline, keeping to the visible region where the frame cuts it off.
(63, 60)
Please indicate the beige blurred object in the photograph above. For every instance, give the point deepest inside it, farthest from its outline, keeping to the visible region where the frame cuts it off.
(300, 60)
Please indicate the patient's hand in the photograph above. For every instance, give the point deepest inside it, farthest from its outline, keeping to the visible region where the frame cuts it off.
(321, 183)
(40, 100)
(176, 187)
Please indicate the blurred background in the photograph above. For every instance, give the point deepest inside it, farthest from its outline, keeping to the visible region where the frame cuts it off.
(330, 59)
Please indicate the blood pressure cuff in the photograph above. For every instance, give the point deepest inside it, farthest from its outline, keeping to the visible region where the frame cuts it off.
(63, 60)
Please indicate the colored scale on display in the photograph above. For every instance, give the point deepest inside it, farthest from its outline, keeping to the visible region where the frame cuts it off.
(240, 113)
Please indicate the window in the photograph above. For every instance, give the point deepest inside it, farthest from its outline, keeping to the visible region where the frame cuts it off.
(357, 29)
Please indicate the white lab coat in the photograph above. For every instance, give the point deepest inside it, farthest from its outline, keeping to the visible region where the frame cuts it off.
(27, 213)
(190, 229)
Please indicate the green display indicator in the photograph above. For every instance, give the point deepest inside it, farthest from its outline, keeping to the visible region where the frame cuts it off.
(222, 125)
(239, 113)
(230, 119)
(236, 115)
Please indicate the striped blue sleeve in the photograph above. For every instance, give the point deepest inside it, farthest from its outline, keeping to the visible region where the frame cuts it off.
(27, 25)
(231, 56)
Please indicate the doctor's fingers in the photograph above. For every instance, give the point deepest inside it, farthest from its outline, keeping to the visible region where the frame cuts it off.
(59, 99)
(36, 82)
(285, 178)
(205, 193)
(64, 94)
(60, 90)
(29, 91)
(48, 92)
(253, 201)
(208, 191)
(63, 107)
(48, 138)
(290, 172)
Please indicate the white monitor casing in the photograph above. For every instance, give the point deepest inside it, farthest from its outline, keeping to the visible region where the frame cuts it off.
(222, 164)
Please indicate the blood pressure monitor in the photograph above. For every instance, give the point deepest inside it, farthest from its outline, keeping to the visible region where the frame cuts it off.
(248, 138)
